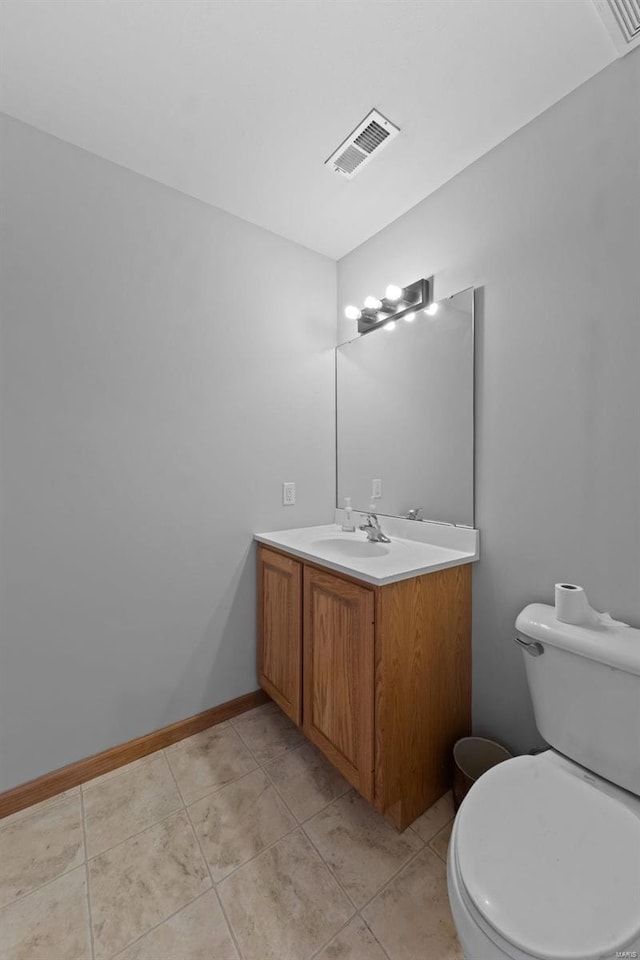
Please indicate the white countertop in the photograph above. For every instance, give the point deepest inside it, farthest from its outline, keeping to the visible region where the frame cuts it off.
(380, 563)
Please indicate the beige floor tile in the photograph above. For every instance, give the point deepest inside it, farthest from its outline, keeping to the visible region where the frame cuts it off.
(40, 847)
(306, 780)
(360, 846)
(440, 842)
(197, 932)
(118, 808)
(50, 924)
(205, 762)
(284, 904)
(144, 880)
(38, 807)
(267, 732)
(435, 818)
(355, 942)
(238, 821)
(411, 917)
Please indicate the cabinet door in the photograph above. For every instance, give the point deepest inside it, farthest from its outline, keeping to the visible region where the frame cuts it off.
(279, 630)
(339, 674)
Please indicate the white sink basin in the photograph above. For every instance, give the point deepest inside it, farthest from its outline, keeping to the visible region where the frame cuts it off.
(350, 548)
(378, 563)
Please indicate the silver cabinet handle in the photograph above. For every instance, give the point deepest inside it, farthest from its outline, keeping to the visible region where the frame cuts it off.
(530, 646)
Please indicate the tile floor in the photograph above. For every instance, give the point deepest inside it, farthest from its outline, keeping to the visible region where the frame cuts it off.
(240, 842)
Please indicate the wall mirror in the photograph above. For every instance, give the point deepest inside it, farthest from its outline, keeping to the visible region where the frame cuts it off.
(404, 412)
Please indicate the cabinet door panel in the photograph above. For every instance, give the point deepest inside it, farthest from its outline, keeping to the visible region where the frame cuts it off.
(279, 630)
(339, 674)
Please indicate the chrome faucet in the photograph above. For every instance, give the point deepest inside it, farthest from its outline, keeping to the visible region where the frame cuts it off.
(414, 513)
(371, 527)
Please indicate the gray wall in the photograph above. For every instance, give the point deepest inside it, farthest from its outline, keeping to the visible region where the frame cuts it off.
(547, 224)
(165, 366)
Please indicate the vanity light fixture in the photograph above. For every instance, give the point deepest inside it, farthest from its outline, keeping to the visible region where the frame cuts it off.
(398, 303)
(372, 303)
(431, 310)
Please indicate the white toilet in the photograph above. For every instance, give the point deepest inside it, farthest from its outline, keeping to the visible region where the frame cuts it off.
(544, 858)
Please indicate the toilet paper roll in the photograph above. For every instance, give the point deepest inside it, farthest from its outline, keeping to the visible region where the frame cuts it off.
(573, 607)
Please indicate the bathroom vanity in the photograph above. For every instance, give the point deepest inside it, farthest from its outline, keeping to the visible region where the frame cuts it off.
(366, 647)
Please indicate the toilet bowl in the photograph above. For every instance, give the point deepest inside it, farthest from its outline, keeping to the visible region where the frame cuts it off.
(544, 864)
(544, 857)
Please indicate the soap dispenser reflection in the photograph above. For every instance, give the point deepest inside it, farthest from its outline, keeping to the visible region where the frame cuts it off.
(348, 526)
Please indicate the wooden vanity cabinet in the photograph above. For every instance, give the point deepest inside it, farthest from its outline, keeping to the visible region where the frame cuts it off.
(423, 688)
(338, 675)
(379, 678)
(279, 630)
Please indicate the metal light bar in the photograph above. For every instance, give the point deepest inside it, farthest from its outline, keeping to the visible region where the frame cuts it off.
(416, 296)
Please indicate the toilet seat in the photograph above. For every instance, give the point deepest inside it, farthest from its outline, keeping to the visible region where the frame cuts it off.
(478, 939)
(549, 857)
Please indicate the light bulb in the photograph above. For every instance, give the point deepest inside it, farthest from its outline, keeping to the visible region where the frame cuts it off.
(394, 292)
(352, 313)
(372, 303)
(409, 316)
(431, 310)
(390, 326)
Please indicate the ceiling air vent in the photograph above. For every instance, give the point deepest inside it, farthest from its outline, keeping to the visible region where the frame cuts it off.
(367, 140)
(622, 20)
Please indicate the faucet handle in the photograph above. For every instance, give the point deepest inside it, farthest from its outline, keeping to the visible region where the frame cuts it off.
(414, 513)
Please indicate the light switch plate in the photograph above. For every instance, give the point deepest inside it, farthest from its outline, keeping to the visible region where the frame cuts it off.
(288, 493)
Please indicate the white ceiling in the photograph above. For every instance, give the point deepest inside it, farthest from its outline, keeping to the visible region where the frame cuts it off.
(239, 102)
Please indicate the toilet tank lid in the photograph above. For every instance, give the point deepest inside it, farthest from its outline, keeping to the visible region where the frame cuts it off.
(613, 644)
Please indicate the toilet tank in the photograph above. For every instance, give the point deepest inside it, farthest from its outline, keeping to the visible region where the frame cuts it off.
(585, 688)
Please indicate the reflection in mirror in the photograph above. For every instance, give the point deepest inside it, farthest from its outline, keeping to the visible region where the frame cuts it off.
(405, 415)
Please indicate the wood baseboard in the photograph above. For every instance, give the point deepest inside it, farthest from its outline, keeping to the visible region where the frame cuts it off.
(63, 779)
